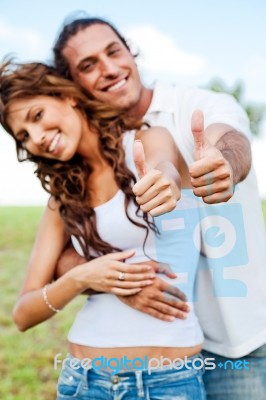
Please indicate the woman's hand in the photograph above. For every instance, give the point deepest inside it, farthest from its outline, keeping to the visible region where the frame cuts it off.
(111, 275)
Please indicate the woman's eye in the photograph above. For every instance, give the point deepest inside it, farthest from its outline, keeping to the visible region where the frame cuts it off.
(38, 115)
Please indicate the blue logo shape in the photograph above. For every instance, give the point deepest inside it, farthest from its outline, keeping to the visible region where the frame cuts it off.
(214, 237)
(224, 244)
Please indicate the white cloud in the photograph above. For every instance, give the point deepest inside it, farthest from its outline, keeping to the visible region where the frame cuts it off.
(24, 41)
(254, 73)
(160, 53)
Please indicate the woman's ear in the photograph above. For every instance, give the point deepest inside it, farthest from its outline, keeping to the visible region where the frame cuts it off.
(71, 101)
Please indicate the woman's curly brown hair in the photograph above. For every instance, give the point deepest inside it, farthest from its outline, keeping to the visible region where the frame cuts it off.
(67, 181)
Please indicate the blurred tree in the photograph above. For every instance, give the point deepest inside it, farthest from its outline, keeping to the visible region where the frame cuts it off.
(254, 111)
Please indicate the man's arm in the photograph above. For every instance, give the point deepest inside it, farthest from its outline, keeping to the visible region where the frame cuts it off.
(222, 159)
(235, 148)
(68, 260)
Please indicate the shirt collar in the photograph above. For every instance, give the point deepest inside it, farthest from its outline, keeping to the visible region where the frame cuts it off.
(163, 98)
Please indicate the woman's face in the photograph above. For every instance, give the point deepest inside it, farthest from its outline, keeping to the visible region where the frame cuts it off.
(47, 126)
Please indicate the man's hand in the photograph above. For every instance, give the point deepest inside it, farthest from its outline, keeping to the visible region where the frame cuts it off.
(211, 174)
(160, 300)
(156, 192)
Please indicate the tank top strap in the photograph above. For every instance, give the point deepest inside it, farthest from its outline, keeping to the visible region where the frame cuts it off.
(128, 140)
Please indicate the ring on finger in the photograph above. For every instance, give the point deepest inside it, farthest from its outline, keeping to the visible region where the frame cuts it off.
(121, 276)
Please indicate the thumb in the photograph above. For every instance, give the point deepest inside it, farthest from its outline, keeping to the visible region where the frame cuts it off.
(122, 255)
(197, 128)
(139, 158)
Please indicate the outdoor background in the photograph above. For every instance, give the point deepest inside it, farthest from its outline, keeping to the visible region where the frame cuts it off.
(204, 43)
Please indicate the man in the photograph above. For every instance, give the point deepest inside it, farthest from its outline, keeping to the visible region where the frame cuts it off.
(217, 153)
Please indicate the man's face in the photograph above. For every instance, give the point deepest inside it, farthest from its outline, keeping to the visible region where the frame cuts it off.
(103, 66)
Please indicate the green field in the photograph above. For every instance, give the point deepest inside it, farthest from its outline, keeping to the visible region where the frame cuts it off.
(26, 359)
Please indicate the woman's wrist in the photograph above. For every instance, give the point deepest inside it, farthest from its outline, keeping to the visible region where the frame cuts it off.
(75, 276)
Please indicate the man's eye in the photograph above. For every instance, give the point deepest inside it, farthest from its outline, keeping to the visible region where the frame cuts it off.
(86, 67)
(113, 52)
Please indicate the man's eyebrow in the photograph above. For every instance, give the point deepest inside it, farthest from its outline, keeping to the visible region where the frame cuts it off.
(92, 57)
(112, 44)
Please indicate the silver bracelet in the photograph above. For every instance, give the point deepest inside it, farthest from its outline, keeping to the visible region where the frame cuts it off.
(45, 298)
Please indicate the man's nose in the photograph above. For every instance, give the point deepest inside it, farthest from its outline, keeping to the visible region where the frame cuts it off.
(109, 67)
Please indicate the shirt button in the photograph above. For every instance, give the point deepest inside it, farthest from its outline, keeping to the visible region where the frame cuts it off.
(115, 379)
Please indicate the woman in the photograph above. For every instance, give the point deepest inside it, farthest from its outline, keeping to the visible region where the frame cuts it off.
(85, 161)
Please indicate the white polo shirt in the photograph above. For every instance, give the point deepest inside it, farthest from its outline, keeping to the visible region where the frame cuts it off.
(231, 289)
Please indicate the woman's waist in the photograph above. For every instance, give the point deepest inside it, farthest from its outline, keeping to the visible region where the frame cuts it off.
(133, 355)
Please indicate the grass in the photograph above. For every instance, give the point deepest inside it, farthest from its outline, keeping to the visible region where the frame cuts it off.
(26, 359)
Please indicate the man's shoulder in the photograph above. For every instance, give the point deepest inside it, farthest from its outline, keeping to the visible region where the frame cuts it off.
(179, 91)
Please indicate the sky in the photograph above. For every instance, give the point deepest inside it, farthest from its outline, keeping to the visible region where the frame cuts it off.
(186, 42)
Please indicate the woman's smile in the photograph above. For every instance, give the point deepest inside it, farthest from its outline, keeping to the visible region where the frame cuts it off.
(46, 126)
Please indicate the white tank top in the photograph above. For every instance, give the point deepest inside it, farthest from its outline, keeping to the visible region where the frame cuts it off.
(104, 321)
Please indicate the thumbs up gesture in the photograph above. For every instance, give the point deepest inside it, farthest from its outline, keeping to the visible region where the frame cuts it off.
(211, 174)
(139, 158)
(156, 192)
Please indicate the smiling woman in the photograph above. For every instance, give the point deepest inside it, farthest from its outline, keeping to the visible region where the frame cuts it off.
(88, 162)
(46, 126)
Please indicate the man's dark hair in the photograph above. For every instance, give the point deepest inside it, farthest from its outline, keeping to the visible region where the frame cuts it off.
(71, 29)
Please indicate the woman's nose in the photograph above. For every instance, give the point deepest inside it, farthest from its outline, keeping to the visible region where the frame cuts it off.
(37, 136)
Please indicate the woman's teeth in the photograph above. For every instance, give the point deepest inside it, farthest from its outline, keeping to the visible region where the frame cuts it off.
(54, 142)
(117, 85)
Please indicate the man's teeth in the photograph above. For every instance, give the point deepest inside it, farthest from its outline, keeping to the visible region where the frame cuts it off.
(54, 143)
(117, 85)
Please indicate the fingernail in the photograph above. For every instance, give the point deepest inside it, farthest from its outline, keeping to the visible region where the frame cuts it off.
(171, 318)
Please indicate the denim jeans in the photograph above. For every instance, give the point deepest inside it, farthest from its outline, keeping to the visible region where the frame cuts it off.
(160, 384)
(237, 384)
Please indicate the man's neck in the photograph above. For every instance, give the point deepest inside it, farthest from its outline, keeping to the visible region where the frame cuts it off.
(140, 109)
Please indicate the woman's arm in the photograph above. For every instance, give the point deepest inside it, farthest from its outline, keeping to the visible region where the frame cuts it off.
(102, 275)
(31, 308)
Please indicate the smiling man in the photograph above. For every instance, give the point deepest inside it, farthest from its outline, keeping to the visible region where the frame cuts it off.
(215, 155)
(110, 75)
